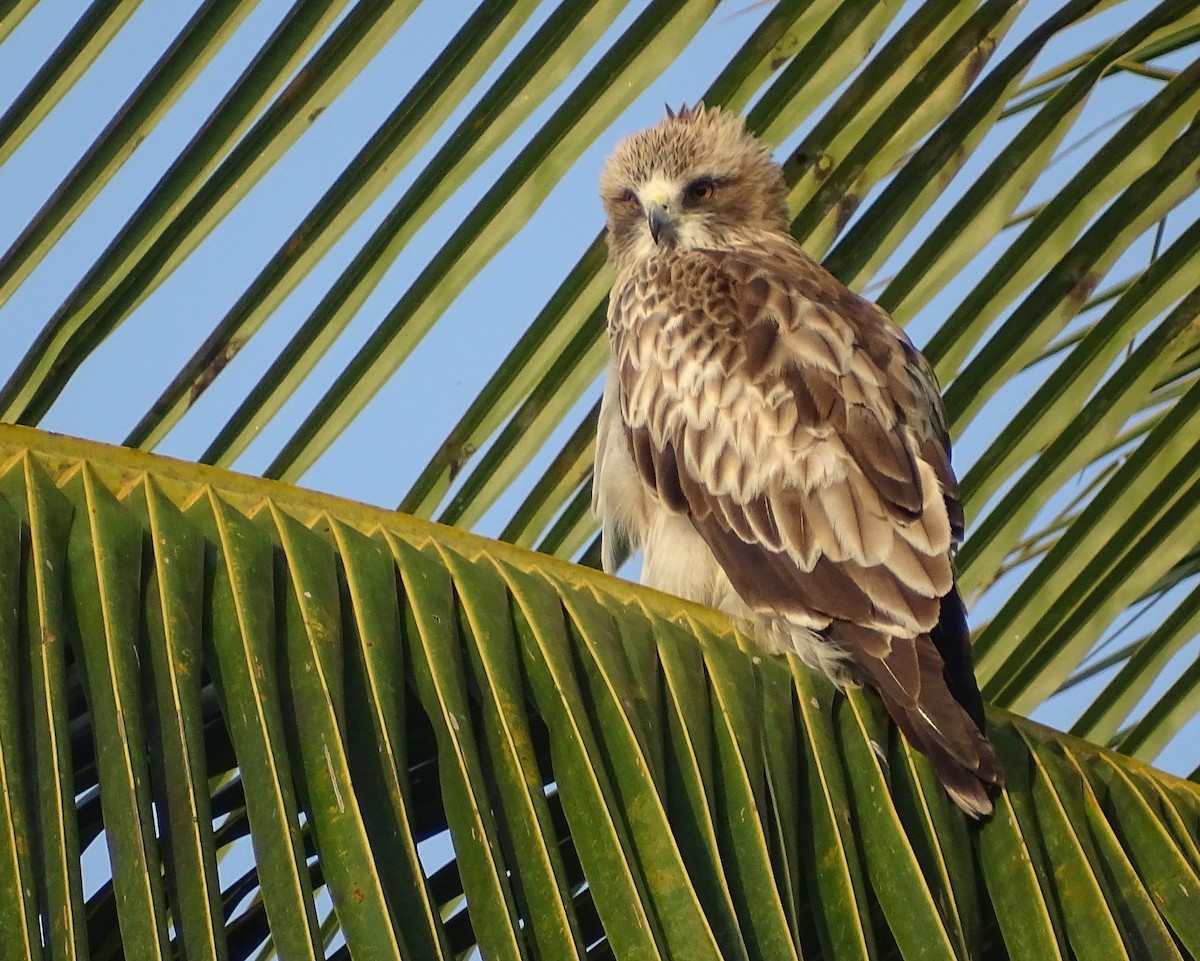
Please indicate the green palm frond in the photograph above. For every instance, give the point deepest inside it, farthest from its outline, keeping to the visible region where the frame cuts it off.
(205, 660)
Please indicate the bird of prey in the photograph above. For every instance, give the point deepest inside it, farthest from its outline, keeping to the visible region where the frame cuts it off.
(775, 444)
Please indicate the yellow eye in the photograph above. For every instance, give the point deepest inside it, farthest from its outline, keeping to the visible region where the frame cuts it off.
(701, 190)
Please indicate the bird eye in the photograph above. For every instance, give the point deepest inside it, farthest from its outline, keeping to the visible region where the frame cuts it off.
(700, 191)
(629, 199)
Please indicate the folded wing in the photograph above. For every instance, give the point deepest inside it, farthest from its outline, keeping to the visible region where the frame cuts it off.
(801, 433)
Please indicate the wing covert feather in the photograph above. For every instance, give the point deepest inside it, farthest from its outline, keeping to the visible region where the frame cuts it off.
(789, 420)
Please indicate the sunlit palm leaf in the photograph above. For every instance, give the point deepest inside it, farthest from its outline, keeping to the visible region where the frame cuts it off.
(619, 773)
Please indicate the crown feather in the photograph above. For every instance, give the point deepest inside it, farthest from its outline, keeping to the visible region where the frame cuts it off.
(685, 112)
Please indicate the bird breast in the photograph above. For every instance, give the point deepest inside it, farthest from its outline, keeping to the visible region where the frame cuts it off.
(690, 380)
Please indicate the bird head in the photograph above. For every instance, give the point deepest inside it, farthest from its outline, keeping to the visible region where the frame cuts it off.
(695, 180)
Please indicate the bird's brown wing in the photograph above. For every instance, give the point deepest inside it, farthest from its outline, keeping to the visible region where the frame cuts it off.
(783, 413)
(802, 434)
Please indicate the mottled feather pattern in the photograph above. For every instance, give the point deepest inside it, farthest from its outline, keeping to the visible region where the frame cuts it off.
(775, 444)
(771, 429)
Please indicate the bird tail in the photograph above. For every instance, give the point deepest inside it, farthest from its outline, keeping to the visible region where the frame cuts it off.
(911, 677)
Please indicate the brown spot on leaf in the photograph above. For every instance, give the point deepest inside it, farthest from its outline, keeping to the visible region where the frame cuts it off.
(215, 366)
(296, 241)
(979, 57)
(459, 462)
(805, 159)
(957, 160)
(845, 211)
(1081, 286)
(821, 166)
(299, 84)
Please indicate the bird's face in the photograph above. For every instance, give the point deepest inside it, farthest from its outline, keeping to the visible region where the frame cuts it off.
(696, 180)
(666, 211)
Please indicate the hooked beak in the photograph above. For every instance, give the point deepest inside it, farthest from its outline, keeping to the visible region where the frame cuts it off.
(658, 218)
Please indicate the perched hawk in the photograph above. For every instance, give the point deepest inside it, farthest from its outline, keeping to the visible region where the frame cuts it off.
(775, 444)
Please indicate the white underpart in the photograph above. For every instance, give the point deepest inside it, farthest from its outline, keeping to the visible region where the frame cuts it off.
(677, 561)
(675, 558)
(619, 498)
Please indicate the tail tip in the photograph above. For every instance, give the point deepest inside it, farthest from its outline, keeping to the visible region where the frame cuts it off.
(972, 789)
(975, 802)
